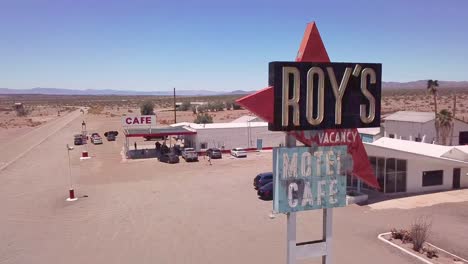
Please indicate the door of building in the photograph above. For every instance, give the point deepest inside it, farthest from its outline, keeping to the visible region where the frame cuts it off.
(259, 144)
(456, 178)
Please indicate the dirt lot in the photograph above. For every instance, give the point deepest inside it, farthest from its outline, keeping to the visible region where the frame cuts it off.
(148, 212)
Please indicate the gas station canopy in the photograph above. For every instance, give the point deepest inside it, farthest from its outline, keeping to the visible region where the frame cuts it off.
(157, 132)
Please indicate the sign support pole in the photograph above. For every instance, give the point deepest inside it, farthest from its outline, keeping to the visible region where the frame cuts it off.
(292, 245)
(327, 234)
(291, 225)
(291, 228)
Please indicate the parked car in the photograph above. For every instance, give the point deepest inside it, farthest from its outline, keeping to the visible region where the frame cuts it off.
(111, 135)
(169, 158)
(78, 139)
(266, 192)
(189, 154)
(214, 153)
(96, 138)
(262, 179)
(238, 152)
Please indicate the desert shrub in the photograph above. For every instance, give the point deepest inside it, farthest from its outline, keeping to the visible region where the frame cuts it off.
(202, 109)
(228, 104)
(96, 109)
(402, 234)
(216, 106)
(236, 106)
(194, 109)
(147, 107)
(431, 253)
(203, 119)
(185, 106)
(419, 232)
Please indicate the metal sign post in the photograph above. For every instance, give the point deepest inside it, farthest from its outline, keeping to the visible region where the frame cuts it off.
(291, 224)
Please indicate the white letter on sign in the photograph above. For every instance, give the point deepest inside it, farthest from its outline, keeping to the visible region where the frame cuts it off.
(310, 96)
(333, 191)
(320, 191)
(306, 164)
(330, 162)
(292, 188)
(294, 101)
(289, 166)
(339, 91)
(307, 197)
(370, 117)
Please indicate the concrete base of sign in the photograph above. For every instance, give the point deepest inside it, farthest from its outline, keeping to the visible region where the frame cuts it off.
(71, 199)
(357, 198)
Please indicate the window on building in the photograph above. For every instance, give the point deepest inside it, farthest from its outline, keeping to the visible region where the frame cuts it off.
(390, 173)
(463, 138)
(433, 178)
(204, 145)
(391, 135)
(390, 177)
(401, 176)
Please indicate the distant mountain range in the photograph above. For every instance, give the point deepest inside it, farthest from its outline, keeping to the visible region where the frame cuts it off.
(422, 84)
(61, 91)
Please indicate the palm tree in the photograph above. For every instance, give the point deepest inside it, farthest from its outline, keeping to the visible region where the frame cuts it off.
(444, 120)
(432, 89)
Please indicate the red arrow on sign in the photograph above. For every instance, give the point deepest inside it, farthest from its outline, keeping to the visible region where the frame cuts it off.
(261, 104)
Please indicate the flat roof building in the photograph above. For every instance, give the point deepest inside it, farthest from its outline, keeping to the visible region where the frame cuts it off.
(409, 166)
(419, 126)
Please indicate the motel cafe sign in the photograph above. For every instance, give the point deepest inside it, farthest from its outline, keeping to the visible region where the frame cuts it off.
(308, 178)
(319, 96)
(139, 120)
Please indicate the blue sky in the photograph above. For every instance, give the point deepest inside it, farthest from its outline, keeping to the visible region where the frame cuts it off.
(220, 45)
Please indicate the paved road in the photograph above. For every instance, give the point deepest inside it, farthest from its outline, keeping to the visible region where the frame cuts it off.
(18, 147)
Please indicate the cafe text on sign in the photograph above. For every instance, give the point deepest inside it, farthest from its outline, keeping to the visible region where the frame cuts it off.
(143, 120)
(310, 96)
(308, 178)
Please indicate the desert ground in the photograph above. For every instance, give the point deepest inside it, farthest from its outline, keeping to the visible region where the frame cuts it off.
(144, 211)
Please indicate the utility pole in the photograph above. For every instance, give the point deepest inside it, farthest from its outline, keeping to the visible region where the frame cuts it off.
(175, 112)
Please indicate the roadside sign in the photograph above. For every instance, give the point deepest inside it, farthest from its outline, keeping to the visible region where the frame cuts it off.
(139, 120)
(311, 95)
(309, 178)
(318, 103)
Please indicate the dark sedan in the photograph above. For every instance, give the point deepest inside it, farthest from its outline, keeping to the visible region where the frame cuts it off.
(169, 158)
(214, 153)
(262, 179)
(78, 140)
(266, 192)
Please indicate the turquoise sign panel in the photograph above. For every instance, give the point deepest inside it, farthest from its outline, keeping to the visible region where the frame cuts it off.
(309, 178)
(259, 144)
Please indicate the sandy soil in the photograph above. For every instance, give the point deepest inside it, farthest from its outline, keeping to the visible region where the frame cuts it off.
(12, 125)
(425, 103)
(145, 211)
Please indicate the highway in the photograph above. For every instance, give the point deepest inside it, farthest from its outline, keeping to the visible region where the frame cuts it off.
(18, 147)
